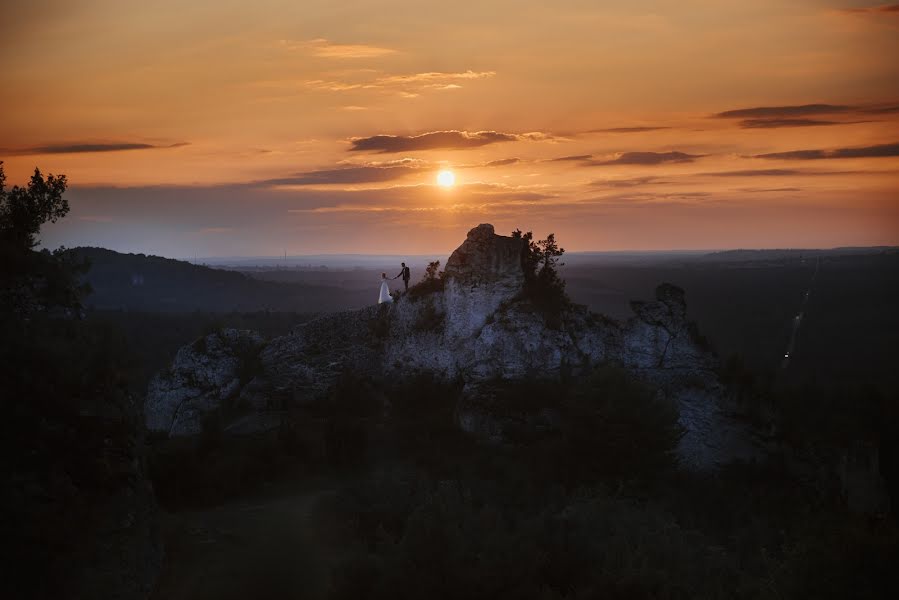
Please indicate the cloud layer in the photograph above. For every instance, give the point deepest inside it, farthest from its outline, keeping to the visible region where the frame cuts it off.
(878, 151)
(87, 147)
(802, 110)
(648, 158)
(438, 140)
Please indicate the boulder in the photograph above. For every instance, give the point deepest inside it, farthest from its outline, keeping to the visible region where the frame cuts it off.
(204, 381)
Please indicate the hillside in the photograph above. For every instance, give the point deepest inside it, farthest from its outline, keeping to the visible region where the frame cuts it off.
(137, 282)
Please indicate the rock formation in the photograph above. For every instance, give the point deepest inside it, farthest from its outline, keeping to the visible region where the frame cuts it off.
(477, 327)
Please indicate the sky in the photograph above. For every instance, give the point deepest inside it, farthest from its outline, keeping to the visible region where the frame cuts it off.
(232, 128)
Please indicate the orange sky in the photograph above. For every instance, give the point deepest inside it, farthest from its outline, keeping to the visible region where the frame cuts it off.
(222, 128)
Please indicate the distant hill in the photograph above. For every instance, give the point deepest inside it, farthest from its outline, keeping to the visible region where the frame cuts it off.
(796, 253)
(137, 282)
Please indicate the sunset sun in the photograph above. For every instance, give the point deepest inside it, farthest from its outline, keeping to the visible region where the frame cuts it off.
(446, 179)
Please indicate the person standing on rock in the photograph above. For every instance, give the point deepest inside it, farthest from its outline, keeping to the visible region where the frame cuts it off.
(405, 274)
(385, 291)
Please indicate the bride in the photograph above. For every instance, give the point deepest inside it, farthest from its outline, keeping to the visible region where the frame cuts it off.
(385, 291)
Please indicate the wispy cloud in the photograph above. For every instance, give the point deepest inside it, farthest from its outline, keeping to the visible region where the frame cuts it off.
(778, 123)
(503, 162)
(409, 86)
(325, 49)
(433, 140)
(647, 158)
(883, 9)
(755, 173)
(626, 129)
(87, 147)
(627, 183)
(802, 110)
(755, 190)
(877, 151)
(573, 158)
(343, 176)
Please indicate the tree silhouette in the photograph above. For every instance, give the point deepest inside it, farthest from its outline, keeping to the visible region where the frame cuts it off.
(540, 260)
(35, 280)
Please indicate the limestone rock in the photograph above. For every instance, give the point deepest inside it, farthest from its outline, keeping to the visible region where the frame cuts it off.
(203, 380)
(478, 328)
(485, 257)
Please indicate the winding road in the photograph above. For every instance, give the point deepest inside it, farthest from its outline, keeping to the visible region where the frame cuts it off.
(797, 320)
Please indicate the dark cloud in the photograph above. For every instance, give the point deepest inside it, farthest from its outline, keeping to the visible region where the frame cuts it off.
(503, 162)
(626, 183)
(438, 140)
(345, 176)
(873, 10)
(648, 158)
(803, 110)
(769, 190)
(626, 129)
(79, 148)
(775, 123)
(880, 150)
(576, 157)
(756, 173)
(882, 110)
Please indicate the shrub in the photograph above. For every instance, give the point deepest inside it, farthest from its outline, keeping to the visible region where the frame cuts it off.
(429, 319)
(432, 282)
(449, 541)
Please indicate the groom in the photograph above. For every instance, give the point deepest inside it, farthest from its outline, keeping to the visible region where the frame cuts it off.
(405, 274)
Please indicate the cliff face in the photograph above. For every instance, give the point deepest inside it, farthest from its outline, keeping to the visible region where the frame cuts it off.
(479, 329)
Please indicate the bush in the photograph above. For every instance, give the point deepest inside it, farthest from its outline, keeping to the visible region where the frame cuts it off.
(448, 540)
(429, 319)
(431, 283)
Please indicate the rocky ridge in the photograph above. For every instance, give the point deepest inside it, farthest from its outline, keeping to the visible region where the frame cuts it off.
(476, 327)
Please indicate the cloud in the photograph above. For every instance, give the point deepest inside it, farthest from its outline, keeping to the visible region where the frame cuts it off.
(325, 49)
(756, 173)
(883, 9)
(648, 158)
(214, 230)
(626, 129)
(784, 111)
(502, 162)
(407, 86)
(433, 140)
(347, 175)
(576, 157)
(882, 110)
(433, 78)
(776, 123)
(85, 147)
(878, 151)
(627, 183)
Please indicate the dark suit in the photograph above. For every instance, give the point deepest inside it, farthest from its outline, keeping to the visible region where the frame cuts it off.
(406, 274)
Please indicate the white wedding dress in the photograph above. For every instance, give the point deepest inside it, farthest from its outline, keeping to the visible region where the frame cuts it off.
(385, 293)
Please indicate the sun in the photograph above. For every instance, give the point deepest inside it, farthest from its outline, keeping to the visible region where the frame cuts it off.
(446, 178)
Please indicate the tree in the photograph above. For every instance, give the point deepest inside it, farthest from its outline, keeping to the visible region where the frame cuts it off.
(23, 210)
(35, 280)
(433, 271)
(540, 260)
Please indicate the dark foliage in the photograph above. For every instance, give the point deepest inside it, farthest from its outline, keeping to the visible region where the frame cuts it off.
(431, 282)
(32, 281)
(540, 261)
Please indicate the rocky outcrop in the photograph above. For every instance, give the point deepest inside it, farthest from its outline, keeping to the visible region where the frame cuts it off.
(206, 380)
(478, 328)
